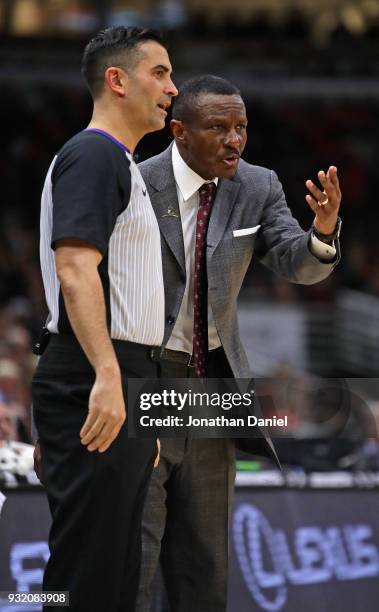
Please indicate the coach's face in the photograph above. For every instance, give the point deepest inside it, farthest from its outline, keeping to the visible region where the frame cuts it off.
(150, 88)
(213, 137)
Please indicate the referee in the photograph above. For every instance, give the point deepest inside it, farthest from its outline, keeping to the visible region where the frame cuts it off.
(102, 272)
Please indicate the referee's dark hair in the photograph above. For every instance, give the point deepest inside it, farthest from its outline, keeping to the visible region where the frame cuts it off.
(118, 46)
(194, 88)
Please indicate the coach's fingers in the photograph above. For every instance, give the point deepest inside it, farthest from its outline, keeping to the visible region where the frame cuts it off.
(312, 203)
(319, 196)
(333, 176)
(37, 458)
(157, 458)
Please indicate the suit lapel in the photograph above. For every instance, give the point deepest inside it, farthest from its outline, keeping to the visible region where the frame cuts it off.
(165, 204)
(164, 199)
(226, 195)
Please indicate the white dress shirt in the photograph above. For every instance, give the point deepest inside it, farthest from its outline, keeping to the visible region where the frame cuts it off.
(188, 184)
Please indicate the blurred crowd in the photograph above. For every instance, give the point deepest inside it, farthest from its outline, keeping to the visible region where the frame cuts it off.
(332, 423)
(296, 138)
(17, 365)
(319, 23)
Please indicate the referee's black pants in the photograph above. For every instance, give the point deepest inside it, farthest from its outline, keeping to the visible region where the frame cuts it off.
(96, 499)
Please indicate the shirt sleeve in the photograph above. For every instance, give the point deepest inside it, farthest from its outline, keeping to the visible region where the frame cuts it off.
(87, 193)
(322, 250)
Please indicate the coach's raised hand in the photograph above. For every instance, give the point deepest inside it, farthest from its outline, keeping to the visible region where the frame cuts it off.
(325, 203)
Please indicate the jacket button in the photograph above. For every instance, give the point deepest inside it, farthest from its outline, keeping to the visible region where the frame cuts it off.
(170, 319)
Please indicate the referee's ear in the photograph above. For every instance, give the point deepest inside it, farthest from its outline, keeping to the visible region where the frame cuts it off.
(116, 79)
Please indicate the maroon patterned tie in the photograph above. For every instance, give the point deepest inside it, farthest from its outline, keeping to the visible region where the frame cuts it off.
(200, 285)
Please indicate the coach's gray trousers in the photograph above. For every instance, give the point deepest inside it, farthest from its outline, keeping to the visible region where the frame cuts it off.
(186, 523)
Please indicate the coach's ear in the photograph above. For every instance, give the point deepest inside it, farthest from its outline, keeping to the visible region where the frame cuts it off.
(178, 130)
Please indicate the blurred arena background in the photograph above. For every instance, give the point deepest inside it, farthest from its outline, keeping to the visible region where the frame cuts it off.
(308, 71)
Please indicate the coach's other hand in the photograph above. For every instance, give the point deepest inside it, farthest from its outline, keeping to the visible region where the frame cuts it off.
(157, 458)
(37, 461)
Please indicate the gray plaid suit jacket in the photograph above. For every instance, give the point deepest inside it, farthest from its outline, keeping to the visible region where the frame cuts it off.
(253, 197)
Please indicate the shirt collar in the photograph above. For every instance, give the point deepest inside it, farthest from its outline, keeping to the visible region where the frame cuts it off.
(186, 179)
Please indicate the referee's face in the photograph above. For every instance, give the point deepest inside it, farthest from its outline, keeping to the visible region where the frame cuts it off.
(150, 88)
(213, 136)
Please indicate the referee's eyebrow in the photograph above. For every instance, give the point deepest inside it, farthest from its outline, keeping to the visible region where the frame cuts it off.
(162, 67)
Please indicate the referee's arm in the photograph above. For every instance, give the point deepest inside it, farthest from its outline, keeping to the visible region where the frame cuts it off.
(77, 269)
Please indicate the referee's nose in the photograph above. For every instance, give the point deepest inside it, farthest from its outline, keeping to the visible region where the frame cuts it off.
(171, 90)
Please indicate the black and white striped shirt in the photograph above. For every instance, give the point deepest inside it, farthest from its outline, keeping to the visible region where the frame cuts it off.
(94, 192)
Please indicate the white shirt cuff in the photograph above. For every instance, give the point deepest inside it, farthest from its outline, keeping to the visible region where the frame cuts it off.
(321, 250)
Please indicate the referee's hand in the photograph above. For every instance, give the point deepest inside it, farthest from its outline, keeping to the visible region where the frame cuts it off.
(106, 413)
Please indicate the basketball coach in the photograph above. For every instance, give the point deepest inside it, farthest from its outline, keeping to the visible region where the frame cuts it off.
(215, 211)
